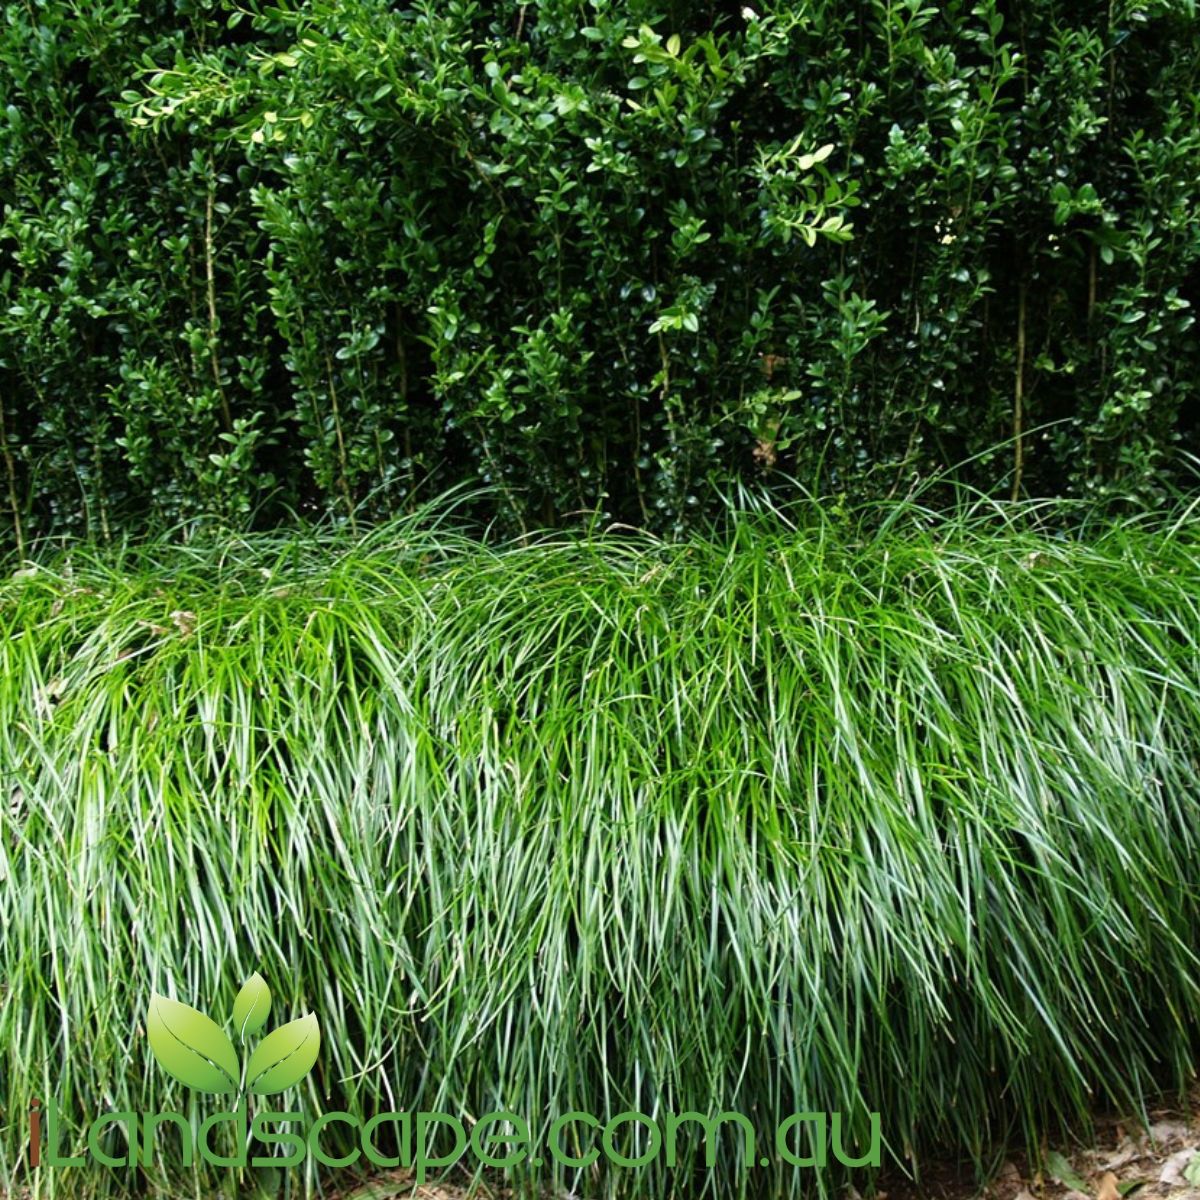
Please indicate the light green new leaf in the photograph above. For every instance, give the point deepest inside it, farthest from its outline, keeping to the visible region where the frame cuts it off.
(252, 1006)
(284, 1056)
(190, 1046)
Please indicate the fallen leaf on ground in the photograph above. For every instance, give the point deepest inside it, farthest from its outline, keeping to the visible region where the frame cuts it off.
(1126, 1154)
(1172, 1169)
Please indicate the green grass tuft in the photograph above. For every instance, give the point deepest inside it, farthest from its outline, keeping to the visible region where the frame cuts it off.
(858, 815)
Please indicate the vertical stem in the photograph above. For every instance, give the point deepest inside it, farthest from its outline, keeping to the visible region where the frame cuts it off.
(101, 491)
(1091, 300)
(402, 357)
(211, 288)
(637, 454)
(11, 478)
(1112, 65)
(665, 398)
(1019, 398)
(341, 444)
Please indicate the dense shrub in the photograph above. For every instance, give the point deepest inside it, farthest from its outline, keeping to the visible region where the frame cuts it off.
(604, 255)
(817, 818)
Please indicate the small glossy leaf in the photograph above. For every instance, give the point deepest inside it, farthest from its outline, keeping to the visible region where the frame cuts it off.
(190, 1046)
(252, 1006)
(284, 1056)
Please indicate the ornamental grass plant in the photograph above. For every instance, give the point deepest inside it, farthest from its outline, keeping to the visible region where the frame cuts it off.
(882, 812)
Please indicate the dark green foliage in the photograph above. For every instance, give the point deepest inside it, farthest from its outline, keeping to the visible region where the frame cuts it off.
(603, 255)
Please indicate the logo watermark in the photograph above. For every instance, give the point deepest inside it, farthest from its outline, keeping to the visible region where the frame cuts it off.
(196, 1051)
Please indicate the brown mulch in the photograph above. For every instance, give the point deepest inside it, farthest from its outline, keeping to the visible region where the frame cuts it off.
(1123, 1161)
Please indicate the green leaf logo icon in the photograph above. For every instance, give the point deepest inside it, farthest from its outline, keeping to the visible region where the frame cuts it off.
(252, 1007)
(284, 1057)
(191, 1047)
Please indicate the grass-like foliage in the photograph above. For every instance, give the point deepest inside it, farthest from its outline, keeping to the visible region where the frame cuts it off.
(892, 815)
